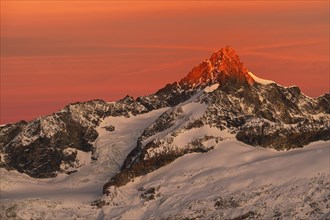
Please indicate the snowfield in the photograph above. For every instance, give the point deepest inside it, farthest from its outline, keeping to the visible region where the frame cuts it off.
(232, 181)
(228, 182)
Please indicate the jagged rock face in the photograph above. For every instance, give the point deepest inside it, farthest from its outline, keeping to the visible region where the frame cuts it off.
(224, 66)
(38, 148)
(270, 116)
(323, 103)
(286, 119)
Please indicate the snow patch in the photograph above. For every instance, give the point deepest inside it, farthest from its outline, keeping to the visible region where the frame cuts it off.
(2, 158)
(211, 88)
(188, 136)
(194, 109)
(259, 80)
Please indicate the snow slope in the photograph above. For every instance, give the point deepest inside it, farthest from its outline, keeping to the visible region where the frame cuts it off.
(230, 181)
(259, 80)
(239, 177)
(84, 186)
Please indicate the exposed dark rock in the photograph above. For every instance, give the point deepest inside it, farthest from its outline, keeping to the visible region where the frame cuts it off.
(149, 194)
(247, 215)
(152, 102)
(10, 131)
(174, 94)
(225, 203)
(324, 103)
(36, 147)
(138, 165)
(37, 150)
(109, 128)
(280, 138)
(195, 124)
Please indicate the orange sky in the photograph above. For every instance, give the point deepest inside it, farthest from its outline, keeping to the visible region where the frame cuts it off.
(57, 52)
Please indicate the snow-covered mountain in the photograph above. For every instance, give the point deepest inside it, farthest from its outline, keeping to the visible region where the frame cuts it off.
(217, 144)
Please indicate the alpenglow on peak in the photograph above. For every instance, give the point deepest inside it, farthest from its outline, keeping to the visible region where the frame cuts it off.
(222, 67)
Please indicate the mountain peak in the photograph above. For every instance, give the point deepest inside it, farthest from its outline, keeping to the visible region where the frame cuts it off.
(227, 58)
(222, 67)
